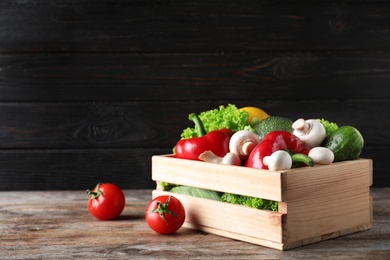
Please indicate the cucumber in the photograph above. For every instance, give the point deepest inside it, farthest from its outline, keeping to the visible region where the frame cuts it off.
(346, 142)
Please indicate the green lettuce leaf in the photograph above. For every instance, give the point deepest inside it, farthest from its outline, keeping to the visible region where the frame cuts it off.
(223, 117)
(196, 192)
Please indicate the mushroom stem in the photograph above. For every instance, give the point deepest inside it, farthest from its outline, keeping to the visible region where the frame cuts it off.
(242, 143)
(247, 147)
(228, 159)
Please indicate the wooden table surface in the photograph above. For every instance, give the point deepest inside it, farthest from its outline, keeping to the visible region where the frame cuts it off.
(57, 225)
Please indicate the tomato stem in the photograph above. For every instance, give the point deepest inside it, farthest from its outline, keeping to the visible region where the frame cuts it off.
(163, 209)
(96, 193)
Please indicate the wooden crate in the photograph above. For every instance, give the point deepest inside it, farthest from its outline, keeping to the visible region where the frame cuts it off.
(314, 203)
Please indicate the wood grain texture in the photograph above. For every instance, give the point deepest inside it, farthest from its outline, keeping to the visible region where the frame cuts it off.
(223, 178)
(47, 225)
(253, 77)
(75, 169)
(324, 200)
(146, 125)
(82, 81)
(51, 145)
(187, 26)
(51, 169)
(322, 181)
(205, 215)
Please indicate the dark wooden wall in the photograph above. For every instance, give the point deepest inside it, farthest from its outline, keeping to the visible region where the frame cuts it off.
(90, 90)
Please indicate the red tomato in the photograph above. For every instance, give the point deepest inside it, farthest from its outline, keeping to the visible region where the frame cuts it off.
(106, 201)
(165, 214)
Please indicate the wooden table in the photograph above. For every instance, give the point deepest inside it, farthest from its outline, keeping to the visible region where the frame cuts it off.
(57, 225)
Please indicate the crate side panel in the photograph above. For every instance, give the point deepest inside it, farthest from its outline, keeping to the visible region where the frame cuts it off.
(238, 220)
(316, 216)
(240, 237)
(326, 180)
(224, 178)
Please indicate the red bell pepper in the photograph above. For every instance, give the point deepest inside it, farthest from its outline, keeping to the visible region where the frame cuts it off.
(216, 141)
(272, 142)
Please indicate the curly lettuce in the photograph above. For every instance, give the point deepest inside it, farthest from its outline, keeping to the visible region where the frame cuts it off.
(223, 117)
(252, 202)
(329, 126)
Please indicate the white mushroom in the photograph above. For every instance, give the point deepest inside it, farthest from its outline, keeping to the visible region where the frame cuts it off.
(228, 159)
(321, 155)
(311, 132)
(242, 143)
(279, 160)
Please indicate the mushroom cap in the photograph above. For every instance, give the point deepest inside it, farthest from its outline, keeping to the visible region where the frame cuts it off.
(311, 132)
(279, 160)
(321, 155)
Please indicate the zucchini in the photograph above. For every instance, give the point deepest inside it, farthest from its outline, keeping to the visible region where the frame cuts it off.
(346, 142)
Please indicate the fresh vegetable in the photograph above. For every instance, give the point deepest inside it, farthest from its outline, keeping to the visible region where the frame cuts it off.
(279, 160)
(165, 214)
(272, 123)
(272, 142)
(310, 131)
(250, 201)
(321, 155)
(255, 114)
(166, 185)
(301, 159)
(229, 117)
(346, 142)
(284, 160)
(263, 141)
(216, 141)
(226, 197)
(196, 192)
(242, 143)
(329, 126)
(106, 201)
(228, 159)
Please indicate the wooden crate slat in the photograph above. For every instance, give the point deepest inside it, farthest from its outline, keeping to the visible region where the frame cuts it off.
(247, 181)
(319, 203)
(325, 180)
(314, 216)
(236, 236)
(202, 214)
